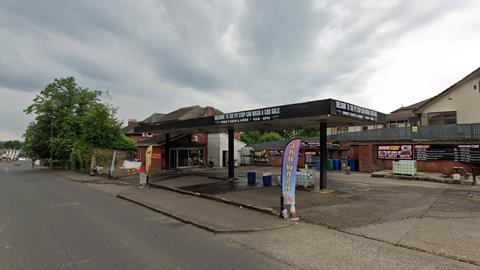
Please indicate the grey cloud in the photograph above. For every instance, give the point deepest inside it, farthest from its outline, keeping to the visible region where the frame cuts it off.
(176, 52)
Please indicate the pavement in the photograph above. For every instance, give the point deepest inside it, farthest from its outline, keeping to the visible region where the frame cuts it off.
(204, 213)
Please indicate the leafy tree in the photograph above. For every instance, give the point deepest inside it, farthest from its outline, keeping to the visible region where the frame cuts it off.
(70, 121)
(259, 137)
(300, 132)
(15, 144)
(253, 137)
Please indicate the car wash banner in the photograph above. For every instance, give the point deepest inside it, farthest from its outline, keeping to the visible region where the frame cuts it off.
(148, 159)
(289, 171)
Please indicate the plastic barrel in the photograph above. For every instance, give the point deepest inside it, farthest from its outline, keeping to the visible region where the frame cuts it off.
(353, 165)
(337, 164)
(329, 164)
(317, 165)
(267, 179)
(251, 178)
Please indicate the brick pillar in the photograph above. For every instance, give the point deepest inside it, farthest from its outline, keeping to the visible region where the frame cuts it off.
(366, 156)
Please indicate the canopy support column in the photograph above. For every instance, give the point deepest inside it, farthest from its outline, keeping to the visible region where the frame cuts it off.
(231, 151)
(323, 156)
(167, 151)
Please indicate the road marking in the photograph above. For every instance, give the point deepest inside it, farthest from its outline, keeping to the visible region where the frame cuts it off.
(67, 204)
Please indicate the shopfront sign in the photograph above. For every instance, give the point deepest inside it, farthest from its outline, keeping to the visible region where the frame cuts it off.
(265, 114)
(289, 171)
(395, 152)
(434, 151)
(467, 153)
(354, 111)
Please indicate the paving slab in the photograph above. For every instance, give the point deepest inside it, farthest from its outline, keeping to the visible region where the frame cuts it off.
(210, 215)
(314, 247)
(451, 226)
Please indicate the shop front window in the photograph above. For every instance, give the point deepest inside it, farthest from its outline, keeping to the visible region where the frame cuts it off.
(183, 158)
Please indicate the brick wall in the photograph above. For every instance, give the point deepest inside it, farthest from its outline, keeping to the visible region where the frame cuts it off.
(368, 162)
(158, 154)
(366, 157)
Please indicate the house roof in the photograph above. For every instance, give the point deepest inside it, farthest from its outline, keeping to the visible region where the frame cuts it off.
(156, 117)
(411, 107)
(129, 130)
(400, 115)
(188, 113)
(450, 89)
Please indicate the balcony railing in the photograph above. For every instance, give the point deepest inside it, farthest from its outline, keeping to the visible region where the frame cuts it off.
(436, 132)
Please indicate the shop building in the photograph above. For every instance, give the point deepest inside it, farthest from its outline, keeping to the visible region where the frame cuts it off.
(318, 114)
(181, 150)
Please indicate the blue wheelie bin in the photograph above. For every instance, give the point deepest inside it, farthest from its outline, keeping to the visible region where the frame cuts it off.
(251, 178)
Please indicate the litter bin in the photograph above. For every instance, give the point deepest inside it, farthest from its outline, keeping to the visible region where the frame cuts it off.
(329, 164)
(251, 178)
(267, 179)
(317, 164)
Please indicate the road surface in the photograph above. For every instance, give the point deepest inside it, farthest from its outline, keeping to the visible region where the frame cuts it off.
(48, 222)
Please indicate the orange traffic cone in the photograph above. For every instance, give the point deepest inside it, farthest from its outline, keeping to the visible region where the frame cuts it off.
(293, 213)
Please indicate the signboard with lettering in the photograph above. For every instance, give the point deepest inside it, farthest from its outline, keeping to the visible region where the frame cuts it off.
(395, 152)
(248, 116)
(467, 153)
(434, 151)
(354, 111)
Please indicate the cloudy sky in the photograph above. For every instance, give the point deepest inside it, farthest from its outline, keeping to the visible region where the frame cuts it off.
(155, 56)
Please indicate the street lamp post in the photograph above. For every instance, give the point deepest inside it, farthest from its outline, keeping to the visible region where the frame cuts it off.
(51, 144)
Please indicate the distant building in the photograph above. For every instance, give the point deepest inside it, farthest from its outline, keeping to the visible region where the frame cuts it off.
(405, 116)
(458, 104)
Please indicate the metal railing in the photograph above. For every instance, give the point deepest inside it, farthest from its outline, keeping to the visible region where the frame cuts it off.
(436, 132)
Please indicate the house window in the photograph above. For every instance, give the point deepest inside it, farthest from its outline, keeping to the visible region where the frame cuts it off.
(442, 118)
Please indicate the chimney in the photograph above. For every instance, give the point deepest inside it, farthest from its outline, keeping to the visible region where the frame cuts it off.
(132, 122)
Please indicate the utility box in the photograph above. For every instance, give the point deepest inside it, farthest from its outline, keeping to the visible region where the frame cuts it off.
(405, 167)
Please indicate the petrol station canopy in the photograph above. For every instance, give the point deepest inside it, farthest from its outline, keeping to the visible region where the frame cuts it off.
(292, 116)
